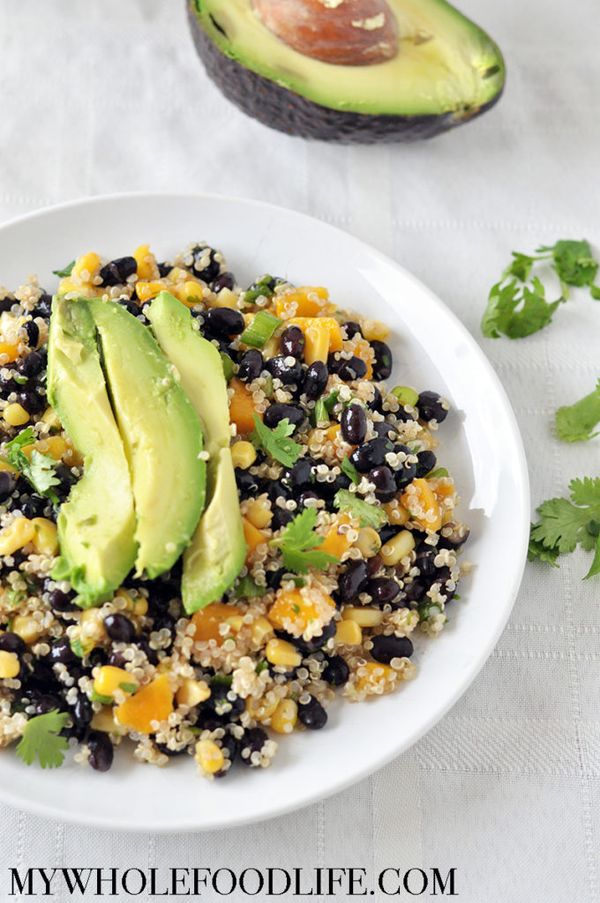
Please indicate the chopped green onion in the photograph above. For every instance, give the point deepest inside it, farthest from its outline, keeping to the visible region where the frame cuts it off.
(406, 395)
(66, 271)
(228, 366)
(321, 412)
(260, 330)
(438, 472)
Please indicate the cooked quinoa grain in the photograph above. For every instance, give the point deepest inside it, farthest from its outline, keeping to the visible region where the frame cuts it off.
(379, 564)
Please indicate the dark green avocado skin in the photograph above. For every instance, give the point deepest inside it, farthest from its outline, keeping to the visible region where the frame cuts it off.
(295, 115)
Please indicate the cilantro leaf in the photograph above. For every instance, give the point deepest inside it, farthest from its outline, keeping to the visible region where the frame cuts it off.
(41, 740)
(566, 523)
(521, 266)
(368, 515)
(276, 442)
(39, 470)
(516, 311)
(247, 588)
(66, 271)
(573, 261)
(574, 423)
(350, 470)
(595, 566)
(299, 544)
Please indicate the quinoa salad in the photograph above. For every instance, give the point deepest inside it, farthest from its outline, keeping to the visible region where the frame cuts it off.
(215, 513)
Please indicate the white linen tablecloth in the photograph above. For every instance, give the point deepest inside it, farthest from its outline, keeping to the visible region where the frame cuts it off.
(107, 95)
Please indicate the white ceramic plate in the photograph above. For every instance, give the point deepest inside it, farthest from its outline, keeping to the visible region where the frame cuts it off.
(480, 445)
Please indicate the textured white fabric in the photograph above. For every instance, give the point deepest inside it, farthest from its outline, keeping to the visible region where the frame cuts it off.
(107, 95)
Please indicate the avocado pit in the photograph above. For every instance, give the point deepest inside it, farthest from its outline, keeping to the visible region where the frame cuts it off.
(342, 32)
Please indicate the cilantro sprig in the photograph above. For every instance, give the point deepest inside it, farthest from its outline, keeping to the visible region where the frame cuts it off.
(39, 469)
(66, 271)
(565, 524)
(276, 442)
(517, 305)
(576, 422)
(42, 740)
(368, 515)
(299, 544)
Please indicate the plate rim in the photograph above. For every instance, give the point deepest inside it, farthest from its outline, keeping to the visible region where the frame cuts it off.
(280, 808)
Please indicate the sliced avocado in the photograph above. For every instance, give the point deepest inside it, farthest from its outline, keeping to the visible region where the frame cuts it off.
(349, 70)
(217, 552)
(161, 433)
(96, 525)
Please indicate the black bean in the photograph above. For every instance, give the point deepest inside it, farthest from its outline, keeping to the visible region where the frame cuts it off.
(301, 473)
(377, 403)
(117, 660)
(253, 741)
(167, 751)
(223, 321)
(229, 743)
(32, 505)
(251, 365)
(43, 308)
(382, 590)
(66, 479)
(406, 472)
(281, 518)
(81, 714)
(306, 647)
(248, 484)
(424, 561)
(385, 484)
(207, 271)
(414, 592)
(336, 671)
(33, 333)
(225, 280)
(351, 329)
(220, 703)
(274, 578)
(6, 304)
(382, 366)
(374, 564)
(315, 380)
(453, 536)
(119, 628)
(353, 581)
(431, 408)
(61, 652)
(60, 601)
(42, 703)
(7, 484)
(426, 461)
(101, 751)
(150, 653)
(275, 413)
(385, 648)
(280, 368)
(292, 342)
(388, 532)
(305, 496)
(371, 454)
(384, 429)
(11, 642)
(354, 424)
(32, 402)
(97, 657)
(312, 714)
(352, 369)
(32, 364)
(118, 271)
(328, 489)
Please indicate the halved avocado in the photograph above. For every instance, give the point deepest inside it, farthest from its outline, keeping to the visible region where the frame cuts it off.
(349, 70)
(96, 526)
(217, 551)
(161, 433)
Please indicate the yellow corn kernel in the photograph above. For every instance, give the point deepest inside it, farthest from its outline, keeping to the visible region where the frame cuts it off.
(243, 454)
(27, 628)
(19, 533)
(209, 756)
(140, 606)
(190, 293)
(226, 298)
(271, 347)
(236, 623)
(259, 512)
(10, 352)
(348, 633)
(4, 465)
(45, 541)
(111, 679)
(147, 268)
(15, 415)
(51, 418)
(54, 446)
(122, 593)
(91, 626)
(264, 708)
(104, 721)
(148, 290)
(192, 692)
(364, 617)
(373, 677)
(86, 267)
(261, 631)
(374, 330)
(397, 548)
(422, 504)
(397, 515)
(368, 542)
(279, 652)
(9, 665)
(285, 717)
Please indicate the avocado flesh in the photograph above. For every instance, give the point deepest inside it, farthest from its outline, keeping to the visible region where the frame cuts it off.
(161, 434)
(217, 551)
(96, 525)
(445, 64)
